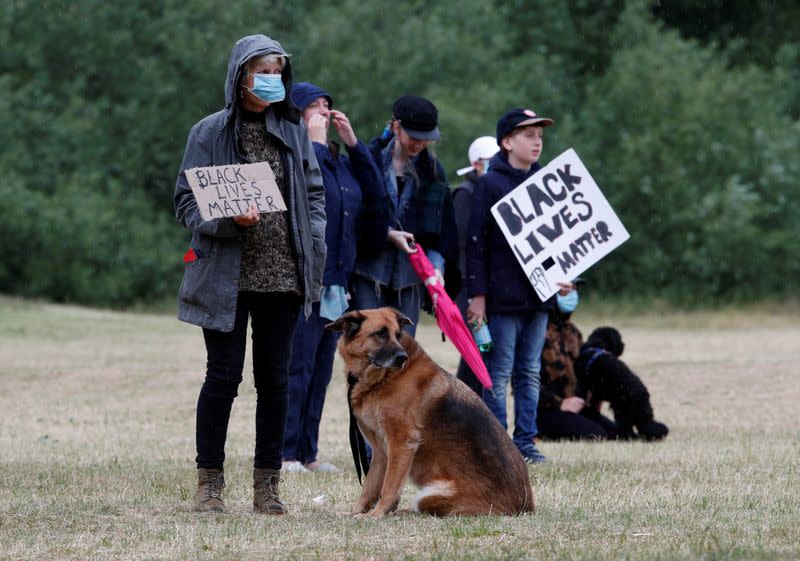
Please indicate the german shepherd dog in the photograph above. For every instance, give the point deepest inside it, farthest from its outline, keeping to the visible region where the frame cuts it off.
(424, 423)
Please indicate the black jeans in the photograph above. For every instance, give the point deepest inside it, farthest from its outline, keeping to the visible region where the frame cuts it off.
(555, 424)
(273, 316)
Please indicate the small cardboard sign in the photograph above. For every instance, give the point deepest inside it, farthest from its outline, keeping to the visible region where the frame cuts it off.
(558, 223)
(227, 191)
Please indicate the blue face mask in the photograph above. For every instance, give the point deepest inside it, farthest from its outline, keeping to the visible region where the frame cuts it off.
(268, 87)
(567, 304)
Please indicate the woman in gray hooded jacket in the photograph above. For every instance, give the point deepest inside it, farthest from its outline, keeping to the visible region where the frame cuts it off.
(265, 267)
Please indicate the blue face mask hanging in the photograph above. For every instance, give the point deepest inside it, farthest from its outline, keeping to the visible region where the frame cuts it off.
(268, 87)
(567, 304)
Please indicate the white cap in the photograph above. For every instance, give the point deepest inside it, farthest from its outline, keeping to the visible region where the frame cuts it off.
(482, 148)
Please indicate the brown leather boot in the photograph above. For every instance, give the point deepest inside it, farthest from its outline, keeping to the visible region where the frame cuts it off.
(265, 491)
(208, 497)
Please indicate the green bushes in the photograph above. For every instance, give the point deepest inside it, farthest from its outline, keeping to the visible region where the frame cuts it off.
(694, 144)
(696, 157)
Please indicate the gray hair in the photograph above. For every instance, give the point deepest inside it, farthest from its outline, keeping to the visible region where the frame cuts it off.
(267, 59)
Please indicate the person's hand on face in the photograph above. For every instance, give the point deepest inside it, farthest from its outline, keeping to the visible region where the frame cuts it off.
(249, 218)
(344, 128)
(565, 288)
(318, 128)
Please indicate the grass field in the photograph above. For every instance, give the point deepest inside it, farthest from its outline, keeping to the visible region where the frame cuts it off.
(97, 449)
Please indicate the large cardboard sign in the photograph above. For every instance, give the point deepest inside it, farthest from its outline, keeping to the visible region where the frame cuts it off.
(227, 191)
(558, 223)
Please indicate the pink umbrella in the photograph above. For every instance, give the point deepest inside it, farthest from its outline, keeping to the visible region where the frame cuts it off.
(448, 317)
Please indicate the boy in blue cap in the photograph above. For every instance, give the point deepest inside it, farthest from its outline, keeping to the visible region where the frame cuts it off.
(499, 290)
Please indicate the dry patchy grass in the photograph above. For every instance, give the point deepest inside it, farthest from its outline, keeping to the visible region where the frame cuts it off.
(96, 449)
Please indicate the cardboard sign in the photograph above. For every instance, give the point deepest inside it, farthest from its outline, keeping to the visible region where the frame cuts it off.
(558, 223)
(227, 191)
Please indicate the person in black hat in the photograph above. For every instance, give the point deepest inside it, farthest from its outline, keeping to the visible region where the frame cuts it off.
(420, 208)
(499, 290)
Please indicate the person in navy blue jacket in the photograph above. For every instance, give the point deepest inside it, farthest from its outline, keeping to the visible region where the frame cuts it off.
(349, 184)
(499, 291)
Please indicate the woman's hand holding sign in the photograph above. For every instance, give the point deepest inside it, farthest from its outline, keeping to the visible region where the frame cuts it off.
(249, 218)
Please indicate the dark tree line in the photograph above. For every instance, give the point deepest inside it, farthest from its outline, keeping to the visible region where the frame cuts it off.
(685, 112)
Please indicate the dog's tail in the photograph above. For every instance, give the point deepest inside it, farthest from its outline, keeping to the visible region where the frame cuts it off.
(530, 504)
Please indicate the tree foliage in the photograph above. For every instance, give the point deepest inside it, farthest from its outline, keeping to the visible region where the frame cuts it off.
(685, 114)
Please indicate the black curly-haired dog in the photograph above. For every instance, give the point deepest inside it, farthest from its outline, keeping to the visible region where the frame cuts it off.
(602, 376)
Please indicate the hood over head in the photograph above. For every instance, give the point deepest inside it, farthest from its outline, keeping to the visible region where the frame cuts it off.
(305, 93)
(245, 49)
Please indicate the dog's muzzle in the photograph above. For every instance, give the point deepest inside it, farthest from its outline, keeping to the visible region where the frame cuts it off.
(396, 359)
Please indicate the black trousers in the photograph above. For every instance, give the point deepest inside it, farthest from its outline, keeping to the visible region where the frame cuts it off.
(555, 424)
(273, 317)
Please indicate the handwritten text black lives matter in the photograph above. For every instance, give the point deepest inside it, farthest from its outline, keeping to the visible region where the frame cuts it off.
(558, 223)
(228, 191)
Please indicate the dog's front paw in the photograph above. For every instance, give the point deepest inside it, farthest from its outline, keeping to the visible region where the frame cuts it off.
(358, 509)
(372, 514)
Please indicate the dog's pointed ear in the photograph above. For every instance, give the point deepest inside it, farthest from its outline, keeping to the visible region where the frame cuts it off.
(348, 323)
(402, 319)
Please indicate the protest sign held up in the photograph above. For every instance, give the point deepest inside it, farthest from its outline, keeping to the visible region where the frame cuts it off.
(227, 191)
(558, 223)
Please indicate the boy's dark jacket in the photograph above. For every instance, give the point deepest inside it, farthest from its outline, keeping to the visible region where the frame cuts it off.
(492, 267)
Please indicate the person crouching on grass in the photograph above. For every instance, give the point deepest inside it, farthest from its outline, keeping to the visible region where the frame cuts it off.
(499, 290)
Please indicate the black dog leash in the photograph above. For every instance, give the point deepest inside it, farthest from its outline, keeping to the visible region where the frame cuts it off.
(358, 446)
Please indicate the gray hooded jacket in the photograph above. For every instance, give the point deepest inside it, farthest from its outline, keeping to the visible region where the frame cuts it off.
(210, 284)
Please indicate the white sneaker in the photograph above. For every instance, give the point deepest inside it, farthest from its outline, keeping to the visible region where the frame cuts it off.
(293, 467)
(321, 467)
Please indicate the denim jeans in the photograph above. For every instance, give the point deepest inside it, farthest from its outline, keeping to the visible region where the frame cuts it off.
(310, 371)
(273, 317)
(517, 342)
(368, 294)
